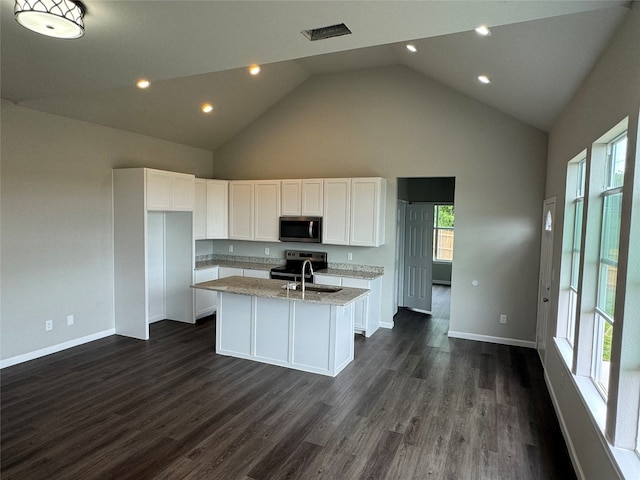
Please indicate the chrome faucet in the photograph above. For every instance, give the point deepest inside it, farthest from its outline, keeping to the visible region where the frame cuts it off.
(304, 264)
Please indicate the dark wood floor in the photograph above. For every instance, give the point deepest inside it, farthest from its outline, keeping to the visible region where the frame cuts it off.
(413, 405)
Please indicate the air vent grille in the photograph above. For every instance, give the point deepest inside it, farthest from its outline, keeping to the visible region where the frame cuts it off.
(327, 32)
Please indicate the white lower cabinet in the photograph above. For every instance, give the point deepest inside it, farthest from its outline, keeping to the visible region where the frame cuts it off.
(366, 310)
(205, 300)
(305, 336)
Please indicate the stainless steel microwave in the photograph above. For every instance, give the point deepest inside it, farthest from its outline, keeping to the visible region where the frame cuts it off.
(301, 229)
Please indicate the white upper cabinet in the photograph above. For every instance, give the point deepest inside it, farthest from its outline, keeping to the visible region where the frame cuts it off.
(291, 191)
(217, 209)
(367, 224)
(211, 209)
(169, 191)
(354, 211)
(266, 210)
(200, 209)
(241, 209)
(312, 197)
(337, 209)
(302, 197)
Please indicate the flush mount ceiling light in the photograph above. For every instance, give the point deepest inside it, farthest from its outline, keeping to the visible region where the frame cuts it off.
(53, 18)
(411, 48)
(207, 108)
(483, 30)
(484, 79)
(255, 69)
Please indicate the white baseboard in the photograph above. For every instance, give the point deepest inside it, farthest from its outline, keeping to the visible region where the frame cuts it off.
(489, 339)
(8, 362)
(386, 324)
(565, 432)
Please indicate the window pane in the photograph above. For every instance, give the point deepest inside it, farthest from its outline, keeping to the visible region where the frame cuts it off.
(602, 359)
(445, 215)
(616, 163)
(571, 324)
(445, 245)
(443, 232)
(609, 253)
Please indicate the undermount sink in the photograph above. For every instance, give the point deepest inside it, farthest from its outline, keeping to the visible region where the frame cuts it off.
(321, 289)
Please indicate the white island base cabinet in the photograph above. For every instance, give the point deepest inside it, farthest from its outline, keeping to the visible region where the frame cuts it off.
(311, 337)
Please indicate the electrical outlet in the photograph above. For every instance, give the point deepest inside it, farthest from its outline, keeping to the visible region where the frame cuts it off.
(69, 319)
(349, 256)
(503, 318)
(230, 248)
(266, 250)
(48, 325)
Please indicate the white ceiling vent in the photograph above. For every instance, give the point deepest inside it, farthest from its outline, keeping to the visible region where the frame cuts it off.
(327, 32)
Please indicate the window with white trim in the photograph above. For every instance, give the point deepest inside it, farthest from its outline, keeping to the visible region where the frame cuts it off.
(443, 220)
(608, 262)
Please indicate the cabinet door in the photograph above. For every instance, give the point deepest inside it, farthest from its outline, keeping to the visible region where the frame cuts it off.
(266, 210)
(224, 272)
(313, 197)
(361, 307)
(200, 209)
(183, 192)
(291, 191)
(217, 209)
(241, 210)
(205, 300)
(337, 200)
(367, 214)
(159, 190)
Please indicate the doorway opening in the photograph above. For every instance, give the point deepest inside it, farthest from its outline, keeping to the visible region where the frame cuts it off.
(425, 232)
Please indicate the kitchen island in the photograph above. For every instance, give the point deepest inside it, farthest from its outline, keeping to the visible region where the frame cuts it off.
(261, 320)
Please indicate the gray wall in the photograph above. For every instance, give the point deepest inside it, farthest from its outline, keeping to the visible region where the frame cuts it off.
(57, 235)
(393, 122)
(610, 93)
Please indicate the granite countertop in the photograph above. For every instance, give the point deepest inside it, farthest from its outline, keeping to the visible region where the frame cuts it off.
(363, 272)
(267, 288)
(235, 264)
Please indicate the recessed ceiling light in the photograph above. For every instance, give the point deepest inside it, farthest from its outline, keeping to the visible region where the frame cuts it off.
(207, 108)
(143, 83)
(484, 79)
(255, 69)
(412, 48)
(483, 30)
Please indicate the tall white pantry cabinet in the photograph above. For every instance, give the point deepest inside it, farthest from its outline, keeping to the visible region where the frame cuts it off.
(152, 230)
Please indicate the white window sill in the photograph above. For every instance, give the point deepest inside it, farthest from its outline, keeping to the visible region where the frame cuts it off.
(627, 462)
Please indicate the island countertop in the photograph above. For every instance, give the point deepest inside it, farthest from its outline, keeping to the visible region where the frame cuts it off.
(269, 288)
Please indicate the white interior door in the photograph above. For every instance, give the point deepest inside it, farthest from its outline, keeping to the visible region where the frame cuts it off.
(418, 257)
(546, 276)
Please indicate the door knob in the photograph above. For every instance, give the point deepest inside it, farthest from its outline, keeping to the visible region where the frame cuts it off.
(545, 300)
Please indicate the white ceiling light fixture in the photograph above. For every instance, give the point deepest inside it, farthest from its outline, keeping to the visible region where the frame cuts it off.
(53, 18)
(255, 69)
(412, 48)
(483, 30)
(207, 108)
(484, 79)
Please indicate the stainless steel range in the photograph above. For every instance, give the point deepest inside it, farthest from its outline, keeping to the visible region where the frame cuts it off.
(292, 270)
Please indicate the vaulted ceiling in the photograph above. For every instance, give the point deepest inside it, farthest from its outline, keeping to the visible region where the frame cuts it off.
(198, 51)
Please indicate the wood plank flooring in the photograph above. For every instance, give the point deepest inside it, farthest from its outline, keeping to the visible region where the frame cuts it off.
(414, 404)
